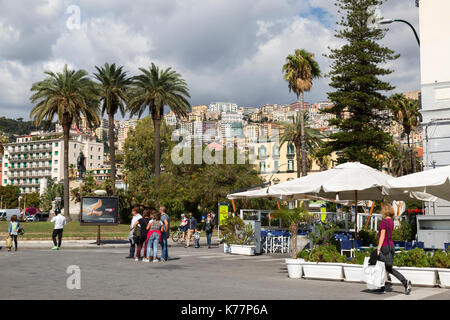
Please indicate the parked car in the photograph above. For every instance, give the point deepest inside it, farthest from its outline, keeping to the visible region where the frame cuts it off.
(41, 216)
(6, 214)
(30, 218)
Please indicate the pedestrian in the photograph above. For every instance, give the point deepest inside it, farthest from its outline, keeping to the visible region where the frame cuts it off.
(155, 228)
(165, 233)
(60, 222)
(136, 216)
(13, 229)
(142, 240)
(386, 247)
(192, 227)
(183, 226)
(208, 227)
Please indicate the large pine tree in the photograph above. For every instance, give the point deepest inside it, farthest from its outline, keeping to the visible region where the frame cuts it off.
(359, 104)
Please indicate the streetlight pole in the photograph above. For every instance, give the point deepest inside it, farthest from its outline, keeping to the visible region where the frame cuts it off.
(143, 163)
(388, 21)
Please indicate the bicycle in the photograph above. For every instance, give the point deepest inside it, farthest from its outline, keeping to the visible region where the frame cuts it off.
(177, 234)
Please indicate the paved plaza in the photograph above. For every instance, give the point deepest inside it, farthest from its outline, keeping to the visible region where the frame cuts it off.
(189, 274)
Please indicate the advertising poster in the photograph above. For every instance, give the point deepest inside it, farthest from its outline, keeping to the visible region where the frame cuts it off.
(223, 212)
(99, 210)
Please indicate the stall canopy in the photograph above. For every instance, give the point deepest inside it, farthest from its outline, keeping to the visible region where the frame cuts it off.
(433, 181)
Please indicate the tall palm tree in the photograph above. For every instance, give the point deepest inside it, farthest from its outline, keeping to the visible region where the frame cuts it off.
(313, 139)
(68, 95)
(155, 88)
(114, 84)
(299, 71)
(406, 113)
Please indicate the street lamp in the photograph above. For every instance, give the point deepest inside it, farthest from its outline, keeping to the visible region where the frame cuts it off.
(388, 21)
(143, 163)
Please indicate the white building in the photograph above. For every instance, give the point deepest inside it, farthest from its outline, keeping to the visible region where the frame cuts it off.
(435, 87)
(35, 157)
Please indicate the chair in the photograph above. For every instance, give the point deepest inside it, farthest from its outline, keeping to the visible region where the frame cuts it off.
(357, 244)
(418, 244)
(400, 244)
(446, 245)
(347, 245)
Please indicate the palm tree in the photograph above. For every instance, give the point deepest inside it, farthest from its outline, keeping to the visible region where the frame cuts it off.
(406, 113)
(155, 88)
(299, 71)
(67, 95)
(114, 84)
(313, 139)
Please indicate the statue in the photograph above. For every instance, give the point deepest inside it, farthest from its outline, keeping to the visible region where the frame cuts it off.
(80, 165)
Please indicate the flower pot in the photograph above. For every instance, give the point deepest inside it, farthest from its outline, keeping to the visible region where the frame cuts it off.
(294, 267)
(418, 276)
(322, 270)
(352, 272)
(243, 250)
(444, 277)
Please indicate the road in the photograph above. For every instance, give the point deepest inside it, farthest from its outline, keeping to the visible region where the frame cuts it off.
(189, 274)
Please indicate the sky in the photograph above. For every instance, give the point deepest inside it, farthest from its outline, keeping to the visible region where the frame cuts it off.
(226, 50)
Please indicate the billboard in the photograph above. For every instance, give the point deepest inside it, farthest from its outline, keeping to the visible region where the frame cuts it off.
(99, 210)
(223, 212)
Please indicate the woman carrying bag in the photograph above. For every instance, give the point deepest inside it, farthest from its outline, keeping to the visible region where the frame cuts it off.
(386, 247)
(13, 230)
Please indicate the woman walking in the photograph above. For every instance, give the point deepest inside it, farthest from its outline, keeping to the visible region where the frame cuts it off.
(154, 227)
(208, 226)
(13, 229)
(386, 247)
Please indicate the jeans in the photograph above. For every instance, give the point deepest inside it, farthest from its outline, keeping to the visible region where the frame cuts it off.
(391, 270)
(153, 243)
(132, 247)
(208, 238)
(14, 238)
(164, 249)
(57, 233)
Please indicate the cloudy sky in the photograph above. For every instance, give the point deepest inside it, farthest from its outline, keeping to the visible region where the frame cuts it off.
(227, 50)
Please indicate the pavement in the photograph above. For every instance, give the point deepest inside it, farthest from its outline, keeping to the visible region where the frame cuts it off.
(190, 274)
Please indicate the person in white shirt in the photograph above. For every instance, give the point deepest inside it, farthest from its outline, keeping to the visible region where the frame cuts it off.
(134, 221)
(60, 221)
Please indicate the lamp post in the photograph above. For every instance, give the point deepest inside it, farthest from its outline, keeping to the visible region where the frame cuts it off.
(388, 21)
(143, 163)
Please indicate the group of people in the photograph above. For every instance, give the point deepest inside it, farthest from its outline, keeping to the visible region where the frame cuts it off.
(189, 227)
(151, 228)
(147, 231)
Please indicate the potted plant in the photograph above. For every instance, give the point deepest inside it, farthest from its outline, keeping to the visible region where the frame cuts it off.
(293, 217)
(323, 262)
(441, 261)
(238, 237)
(415, 265)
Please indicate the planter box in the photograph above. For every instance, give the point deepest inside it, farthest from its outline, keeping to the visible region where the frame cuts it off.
(243, 250)
(323, 270)
(444, 277)
(418, 276)
(295, 269)
(352, 272)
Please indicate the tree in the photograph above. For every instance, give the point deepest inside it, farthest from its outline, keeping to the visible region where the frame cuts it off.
(53, 190)
(3, 140)
(406, 113)
(359, 106)
(114, 84)
(294, 132)
(299, 71)
(30, 200)
(9, 197)
(155, 88)
(67, 95)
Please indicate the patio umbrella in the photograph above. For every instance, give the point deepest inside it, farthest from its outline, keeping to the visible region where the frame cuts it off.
(433, 181)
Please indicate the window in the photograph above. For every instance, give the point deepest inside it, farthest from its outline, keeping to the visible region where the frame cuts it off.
(36, 181)
(6, 156)
(5, 181)
(56, 153)
(262, 166)
(56, 144)
(290, 165)
(262, 151)
(290, 149)
(6, 165)
(98, 157)
(275, 166)
(91, 156)
(276, 150)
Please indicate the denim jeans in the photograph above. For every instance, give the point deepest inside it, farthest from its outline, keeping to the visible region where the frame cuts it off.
(164, 249)
(208, 238)
(132, 248)
(153, 243)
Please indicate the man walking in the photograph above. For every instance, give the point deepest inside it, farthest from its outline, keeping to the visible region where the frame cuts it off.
(165, 234)
(192, 227)
(136, 217)
(60, 221)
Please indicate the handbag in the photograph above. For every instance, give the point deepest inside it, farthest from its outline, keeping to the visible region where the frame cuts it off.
(373, 276)
(21, 231)
(8, 242)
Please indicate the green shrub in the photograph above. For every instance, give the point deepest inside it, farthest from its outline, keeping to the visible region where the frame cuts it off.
(413, 258)
(361, 255)
(322, 254)
(404, 233)
(440, 259)
(368, 236)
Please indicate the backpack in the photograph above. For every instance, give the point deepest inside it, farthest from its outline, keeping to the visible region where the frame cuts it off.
(137, 233)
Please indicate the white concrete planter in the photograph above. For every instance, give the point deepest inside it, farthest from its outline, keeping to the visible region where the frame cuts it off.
(243, 250)
(294, 267)
(352, 272)
(226, 248)
(418, 276)
(323, 270)
(444, 277)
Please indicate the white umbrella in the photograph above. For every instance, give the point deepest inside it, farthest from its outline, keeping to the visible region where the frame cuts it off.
(433, 181)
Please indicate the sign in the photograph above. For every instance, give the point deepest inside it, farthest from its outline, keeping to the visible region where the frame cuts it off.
(99, 210)
(223, 212)
(317, 203)
(323, 215)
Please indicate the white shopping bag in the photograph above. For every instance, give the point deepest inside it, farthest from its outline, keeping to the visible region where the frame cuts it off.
(373, 276)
